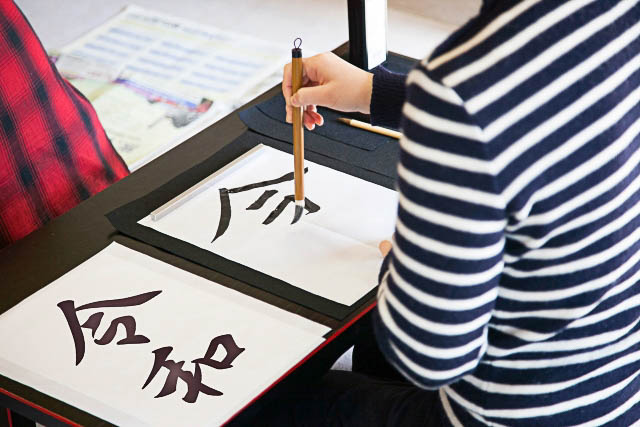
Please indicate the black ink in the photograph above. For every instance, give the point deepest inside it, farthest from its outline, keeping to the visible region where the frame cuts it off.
(122, 302)
(230, 347)
(310, 206)
(261, 200)
(69, 311)
(130, 328)
(93, 322)
(161, 355)
(225, 213)
(279, 209)
(193, 380)
(284, 178)
(225, 203)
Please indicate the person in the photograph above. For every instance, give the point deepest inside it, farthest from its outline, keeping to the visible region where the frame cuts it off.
(54, 152)
(510, 295)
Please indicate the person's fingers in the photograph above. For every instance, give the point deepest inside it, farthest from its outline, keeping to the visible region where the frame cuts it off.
(315, 67)
(385, 246)
(286, 90)
(312, 112)
(309, 122)
(310, 117)
(309, 70)
(317, 118)
(316, 95)
(313, 87)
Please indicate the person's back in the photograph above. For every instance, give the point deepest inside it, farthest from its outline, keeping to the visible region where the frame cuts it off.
(513, 281)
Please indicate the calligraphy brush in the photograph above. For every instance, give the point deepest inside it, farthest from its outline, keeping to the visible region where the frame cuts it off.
(298, 131)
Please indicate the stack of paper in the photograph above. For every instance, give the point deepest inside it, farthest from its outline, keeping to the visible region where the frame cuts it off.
(155, 80)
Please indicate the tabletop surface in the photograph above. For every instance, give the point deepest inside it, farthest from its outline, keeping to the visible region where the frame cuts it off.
(67, 241)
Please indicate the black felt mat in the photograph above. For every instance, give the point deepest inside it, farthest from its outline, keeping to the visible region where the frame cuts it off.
(274, 108)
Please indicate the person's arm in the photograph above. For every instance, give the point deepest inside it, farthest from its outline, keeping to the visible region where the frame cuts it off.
(54, 152)
(439, 282)
(387, 97)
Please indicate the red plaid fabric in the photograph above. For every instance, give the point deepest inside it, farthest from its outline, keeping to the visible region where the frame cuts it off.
(53, 151)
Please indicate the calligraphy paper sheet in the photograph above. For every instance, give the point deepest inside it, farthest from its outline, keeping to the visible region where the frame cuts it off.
(331, 252)
(185, 351)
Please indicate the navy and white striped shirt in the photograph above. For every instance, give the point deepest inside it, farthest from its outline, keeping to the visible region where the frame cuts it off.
(513, 283)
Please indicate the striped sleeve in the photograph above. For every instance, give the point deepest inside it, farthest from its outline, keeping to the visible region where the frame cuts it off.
(387, 97)
(439, 285)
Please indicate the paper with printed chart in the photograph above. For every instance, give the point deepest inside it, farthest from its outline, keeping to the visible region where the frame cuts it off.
(245, 215)
(155, 79)
(135, 341)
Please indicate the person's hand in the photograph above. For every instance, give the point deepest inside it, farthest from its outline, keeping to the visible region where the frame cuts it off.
(385, 246)
(328, 81)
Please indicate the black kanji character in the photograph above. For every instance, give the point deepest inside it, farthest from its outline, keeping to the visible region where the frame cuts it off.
(193, 380)
(93, 322)
(225, 202)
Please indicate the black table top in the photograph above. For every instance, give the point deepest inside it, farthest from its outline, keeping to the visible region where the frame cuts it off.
(67, 241)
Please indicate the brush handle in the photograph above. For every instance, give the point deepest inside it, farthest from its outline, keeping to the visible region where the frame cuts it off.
(375, 129)
(298, 130)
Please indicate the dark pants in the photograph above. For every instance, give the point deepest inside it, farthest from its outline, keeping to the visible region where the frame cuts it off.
(14, 419)
(374, 394)
(351, 399)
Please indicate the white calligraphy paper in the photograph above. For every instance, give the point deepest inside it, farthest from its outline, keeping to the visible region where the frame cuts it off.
(331, 252)
(181, 318)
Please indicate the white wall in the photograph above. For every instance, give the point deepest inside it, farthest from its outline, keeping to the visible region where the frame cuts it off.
(452, 12)
(415, 26)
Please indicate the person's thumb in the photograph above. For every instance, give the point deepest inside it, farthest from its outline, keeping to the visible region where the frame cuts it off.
(316, 95)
